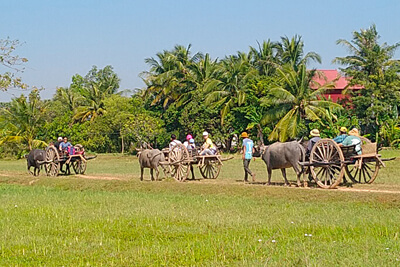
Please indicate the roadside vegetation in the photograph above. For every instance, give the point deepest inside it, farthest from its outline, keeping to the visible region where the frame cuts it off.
(268, 91)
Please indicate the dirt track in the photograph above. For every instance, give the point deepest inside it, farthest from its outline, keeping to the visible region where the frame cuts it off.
(368, 190)
(343, 189)
(98, 177)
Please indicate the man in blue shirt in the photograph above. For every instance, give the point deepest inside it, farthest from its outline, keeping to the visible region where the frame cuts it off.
(343, 134)
(64, 145)
(247, 155)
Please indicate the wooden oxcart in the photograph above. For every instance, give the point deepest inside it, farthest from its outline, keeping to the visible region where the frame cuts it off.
(55, 159)
(179, 160)
(329, 163)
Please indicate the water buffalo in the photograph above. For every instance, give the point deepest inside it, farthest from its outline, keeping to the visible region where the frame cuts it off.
(35, 159)
(282, 156)
(150, 158)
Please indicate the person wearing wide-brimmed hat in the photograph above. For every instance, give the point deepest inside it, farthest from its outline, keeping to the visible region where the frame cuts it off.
(247, 155)
(315, 137)
(343, 134)
(353, 139)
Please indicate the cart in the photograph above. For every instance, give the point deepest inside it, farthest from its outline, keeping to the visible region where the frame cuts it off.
(55, 159)
(329, 163)
(180, 160)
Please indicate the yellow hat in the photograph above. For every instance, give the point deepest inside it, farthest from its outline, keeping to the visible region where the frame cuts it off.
(244, 135)
(343, 129)
(314, 132)
(354, 132)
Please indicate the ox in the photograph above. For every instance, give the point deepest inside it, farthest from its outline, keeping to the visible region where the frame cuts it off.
(35, 159)
(282, 156)
(150, 158)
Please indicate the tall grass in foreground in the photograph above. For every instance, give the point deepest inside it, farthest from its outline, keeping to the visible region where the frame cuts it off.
(73, 221)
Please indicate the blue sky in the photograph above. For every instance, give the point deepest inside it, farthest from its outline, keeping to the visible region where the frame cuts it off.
(63, 38)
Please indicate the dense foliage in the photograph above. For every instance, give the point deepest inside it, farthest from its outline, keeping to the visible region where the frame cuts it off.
(268, 91)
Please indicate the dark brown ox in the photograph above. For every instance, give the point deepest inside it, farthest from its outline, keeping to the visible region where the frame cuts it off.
(35, 159)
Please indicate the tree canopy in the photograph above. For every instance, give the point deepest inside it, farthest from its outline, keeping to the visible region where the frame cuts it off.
(269, 91)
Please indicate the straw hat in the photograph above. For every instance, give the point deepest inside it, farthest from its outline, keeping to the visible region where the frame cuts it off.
(354, 132)
(314, 132)
(244, 135)
(343, 129)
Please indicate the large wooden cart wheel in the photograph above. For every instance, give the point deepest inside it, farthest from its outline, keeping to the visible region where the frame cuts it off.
(210, 169)
(179, 161)
(79, 166)
(52, 165)
(326, 163)
(366, 172)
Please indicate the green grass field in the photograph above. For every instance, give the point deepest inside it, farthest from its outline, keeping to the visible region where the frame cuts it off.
(109, 218)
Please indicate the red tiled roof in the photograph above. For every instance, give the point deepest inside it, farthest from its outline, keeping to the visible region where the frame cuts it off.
(331, 75)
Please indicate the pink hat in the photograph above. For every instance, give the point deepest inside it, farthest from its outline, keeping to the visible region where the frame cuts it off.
(188, 137)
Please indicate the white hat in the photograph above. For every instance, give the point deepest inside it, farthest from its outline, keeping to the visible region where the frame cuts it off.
(59, 138)
(205, 133)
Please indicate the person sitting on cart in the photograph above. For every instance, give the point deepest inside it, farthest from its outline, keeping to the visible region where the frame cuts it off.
(208, 148)
(353, 139)
(343, 134)
(174, 142)
(314, 139)
(58, 142)
(189, 144)
(186, 143)
(64, 145)
(191, 147)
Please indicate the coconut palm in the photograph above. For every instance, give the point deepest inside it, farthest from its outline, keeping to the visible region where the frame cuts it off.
(167, 79)
(68, 97)
(228, 89)
(265, 58)
(293, 101)
(22, 120)
(291, 51)
(94, 89)
(367, 56)
(370, 65)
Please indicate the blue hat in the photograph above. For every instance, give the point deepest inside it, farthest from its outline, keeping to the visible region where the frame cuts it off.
(191, 141)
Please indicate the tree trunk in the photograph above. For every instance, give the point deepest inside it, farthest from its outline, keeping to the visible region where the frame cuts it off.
(260, 135)
(122, 144)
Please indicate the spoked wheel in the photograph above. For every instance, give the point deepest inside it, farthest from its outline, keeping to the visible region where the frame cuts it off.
(366, 173)
(210, 169)
(52, 167)
(326, 159)
(178, 159)
(79, 166)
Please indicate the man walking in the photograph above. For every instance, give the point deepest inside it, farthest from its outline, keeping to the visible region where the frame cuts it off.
(247, 155)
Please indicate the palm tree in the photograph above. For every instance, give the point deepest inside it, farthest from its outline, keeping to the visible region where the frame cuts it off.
(265, 58)
(291, 51)
(94, 89)
(371, 66)
(293, 101)
(367, 56)
(167, 79)
(22, 120)
(68, 97)
(228, 89)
